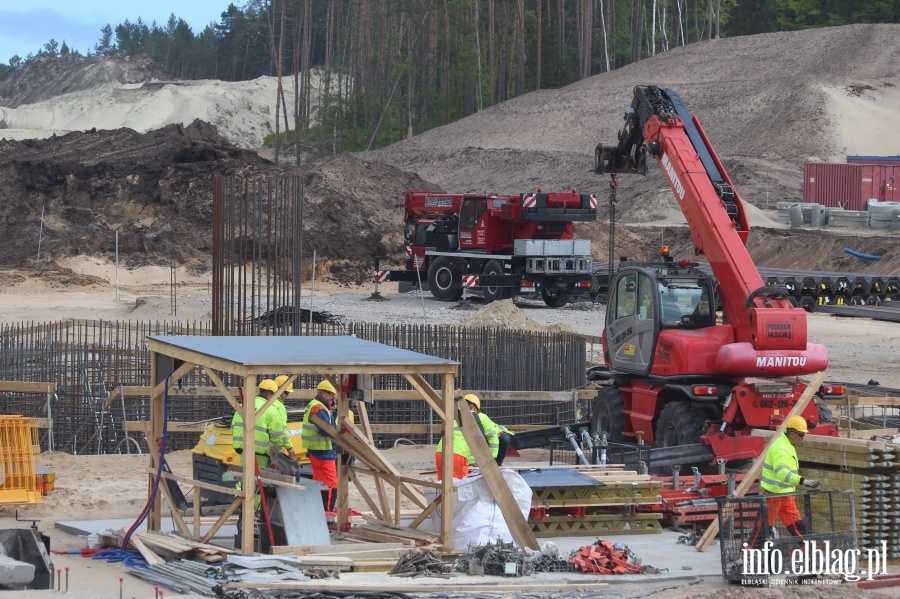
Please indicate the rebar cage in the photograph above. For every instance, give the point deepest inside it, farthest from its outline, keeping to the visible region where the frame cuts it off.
(755, 553)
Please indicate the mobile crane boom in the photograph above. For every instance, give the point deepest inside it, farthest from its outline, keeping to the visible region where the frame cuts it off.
(659, 125)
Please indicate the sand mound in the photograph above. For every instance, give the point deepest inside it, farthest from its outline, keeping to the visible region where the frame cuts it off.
(504, 314)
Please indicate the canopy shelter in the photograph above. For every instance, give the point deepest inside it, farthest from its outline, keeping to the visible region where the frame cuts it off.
(172, 357)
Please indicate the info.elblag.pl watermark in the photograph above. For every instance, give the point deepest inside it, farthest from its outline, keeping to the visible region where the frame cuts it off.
(770, 565)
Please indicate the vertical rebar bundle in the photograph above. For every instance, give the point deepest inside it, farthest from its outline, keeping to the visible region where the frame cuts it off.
(257, 253)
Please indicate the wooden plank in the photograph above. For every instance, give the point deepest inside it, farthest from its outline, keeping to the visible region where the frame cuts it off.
(137, 426)
(874, 400)
(189, 481)
(430, 395)
(867, 434)
(390, 527)
(41, 422)
(374, 565)
(322, 561)
(364, 492)
(373, 535)
(149, 556)
(822, 442)
(366, 428)
(339, 548)
(25, 387)
(751, 475)
(383, 463)
(518, 525)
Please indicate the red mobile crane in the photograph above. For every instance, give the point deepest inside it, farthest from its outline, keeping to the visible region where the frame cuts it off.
(500, 245)
(678, 377)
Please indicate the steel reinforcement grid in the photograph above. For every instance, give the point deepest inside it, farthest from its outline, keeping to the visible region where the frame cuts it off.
(88, 360)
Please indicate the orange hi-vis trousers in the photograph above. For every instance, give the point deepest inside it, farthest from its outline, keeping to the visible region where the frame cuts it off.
(460, 465)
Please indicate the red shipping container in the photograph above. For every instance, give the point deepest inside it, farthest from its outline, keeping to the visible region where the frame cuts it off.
(881, 182)
(849, 186)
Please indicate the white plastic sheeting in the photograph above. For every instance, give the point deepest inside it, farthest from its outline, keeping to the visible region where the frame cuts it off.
(477, 518)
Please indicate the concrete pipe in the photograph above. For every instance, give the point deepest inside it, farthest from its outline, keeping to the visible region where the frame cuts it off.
(795, 215)
(818, 216)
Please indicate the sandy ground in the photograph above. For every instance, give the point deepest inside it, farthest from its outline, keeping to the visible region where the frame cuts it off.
(92, 487)
(859, 349)
(241, 110)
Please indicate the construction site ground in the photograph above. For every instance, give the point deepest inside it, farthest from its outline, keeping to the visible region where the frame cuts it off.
(114, 487)
(96, 166)
(96, 493)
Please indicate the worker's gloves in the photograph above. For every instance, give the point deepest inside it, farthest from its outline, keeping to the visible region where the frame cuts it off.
(291, 452)
(810, 483)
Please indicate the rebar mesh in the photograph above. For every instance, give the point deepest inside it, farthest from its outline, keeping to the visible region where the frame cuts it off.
(87, 360)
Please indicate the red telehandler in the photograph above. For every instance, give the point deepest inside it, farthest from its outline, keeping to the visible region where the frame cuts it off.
(679, 377)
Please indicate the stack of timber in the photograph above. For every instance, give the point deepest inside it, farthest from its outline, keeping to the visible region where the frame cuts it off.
(361, 556)
(158, 548)
(693, 501)
(591, 500)
(386, 532)
(872, 470)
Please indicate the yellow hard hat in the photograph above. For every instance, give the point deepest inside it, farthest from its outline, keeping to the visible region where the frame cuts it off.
(280, 379)
(326, 385)
(268, 385)
(473, 399)
(797, 423)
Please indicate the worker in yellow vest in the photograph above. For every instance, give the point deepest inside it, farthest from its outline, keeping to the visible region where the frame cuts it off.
(282, 410)
(781, 475)
(319, 448)
(462, 454)
(269, 430)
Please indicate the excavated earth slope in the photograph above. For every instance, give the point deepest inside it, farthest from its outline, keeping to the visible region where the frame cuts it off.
(769, 103)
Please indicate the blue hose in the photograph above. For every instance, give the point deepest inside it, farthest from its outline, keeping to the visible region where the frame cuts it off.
(861, 255)
(129, 558)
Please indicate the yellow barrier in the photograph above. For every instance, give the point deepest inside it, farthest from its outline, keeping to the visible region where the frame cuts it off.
(19, 461)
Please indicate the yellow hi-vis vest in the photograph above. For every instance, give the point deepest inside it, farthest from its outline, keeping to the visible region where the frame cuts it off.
(491, 433)
(269, 430)
(314, 439)
(781, 469)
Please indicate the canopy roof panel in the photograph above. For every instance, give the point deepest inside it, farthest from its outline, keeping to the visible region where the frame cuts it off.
(300, 354)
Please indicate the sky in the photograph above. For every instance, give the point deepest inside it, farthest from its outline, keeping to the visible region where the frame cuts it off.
(26, 25)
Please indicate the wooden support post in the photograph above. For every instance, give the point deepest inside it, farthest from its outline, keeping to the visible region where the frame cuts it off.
(447, 490)
(752, 474)
(379, 484)
(343, 477)
(248, 460)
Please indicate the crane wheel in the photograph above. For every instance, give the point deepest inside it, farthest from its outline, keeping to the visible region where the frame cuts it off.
(554, 297)
(492, 294)
(680, 423)
(443, 281)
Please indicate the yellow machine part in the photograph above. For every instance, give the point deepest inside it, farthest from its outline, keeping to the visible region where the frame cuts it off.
(215, 442)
